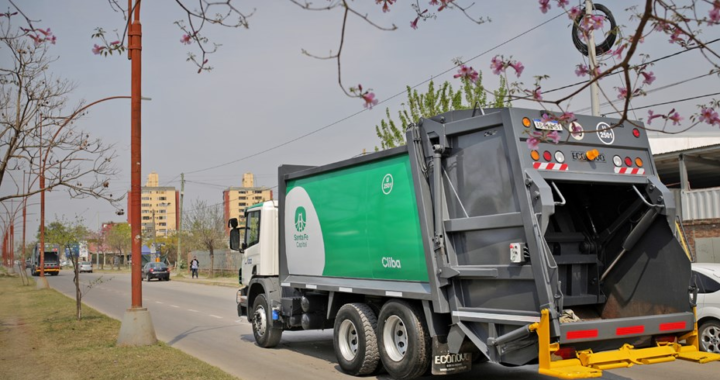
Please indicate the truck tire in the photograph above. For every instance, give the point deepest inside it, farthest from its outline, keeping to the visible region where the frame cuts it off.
(404, 340)
(709, 335)
(355, 341)
(265, 336)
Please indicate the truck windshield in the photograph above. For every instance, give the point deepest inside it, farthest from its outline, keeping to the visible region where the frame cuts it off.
(51, 257)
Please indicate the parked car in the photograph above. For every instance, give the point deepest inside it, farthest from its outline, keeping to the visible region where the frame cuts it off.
(85, 266)
(707, 278)
(156, 270)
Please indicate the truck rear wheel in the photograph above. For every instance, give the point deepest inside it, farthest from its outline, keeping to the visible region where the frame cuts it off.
(265, 335)
(354, 339)
(404, 340)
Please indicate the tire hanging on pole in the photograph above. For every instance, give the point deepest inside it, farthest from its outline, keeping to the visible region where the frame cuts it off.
(609, 41)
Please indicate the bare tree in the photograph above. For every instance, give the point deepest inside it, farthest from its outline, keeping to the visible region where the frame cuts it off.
(32, 130)
(206, 227)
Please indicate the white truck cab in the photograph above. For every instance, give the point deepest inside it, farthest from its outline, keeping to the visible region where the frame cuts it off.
(260, 242)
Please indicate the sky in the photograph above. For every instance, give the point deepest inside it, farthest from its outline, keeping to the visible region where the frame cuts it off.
(263, 93)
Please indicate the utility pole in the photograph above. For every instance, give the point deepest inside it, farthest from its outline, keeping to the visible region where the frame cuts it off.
(180, 221)
(594, 89)
(22, 264)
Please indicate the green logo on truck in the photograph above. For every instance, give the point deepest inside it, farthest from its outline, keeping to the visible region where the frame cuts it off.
(300, 218)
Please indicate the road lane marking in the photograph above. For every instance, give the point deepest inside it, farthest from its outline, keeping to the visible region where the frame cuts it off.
(194, 311)
(175, 306)
(215, 316)
(158, 302)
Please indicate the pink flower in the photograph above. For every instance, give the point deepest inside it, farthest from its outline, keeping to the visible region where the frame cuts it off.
(708, 115)
(649, 77)
(518, 66)
(544, 5)
(618, 53)
(547, 118)
(715, 14)
(115, 43)
(433, 2)
(576, 128)
(533, 142)
(675, 117)
(554, 136)
(651, 116)
(573, 13)
(581, 70)
(386, 4)
(675, 37)
(563, 3)
(186, 39)
(468, 73)
(497, 65)
(622, 92)
(370, 100)
(537, 94)
(97, 49)
(413, 24)
(567, 116)
(598, 21)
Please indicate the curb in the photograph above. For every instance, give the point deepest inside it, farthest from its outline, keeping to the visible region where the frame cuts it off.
(204, 282)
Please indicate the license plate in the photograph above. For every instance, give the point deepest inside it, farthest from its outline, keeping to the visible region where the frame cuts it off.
(547, 125)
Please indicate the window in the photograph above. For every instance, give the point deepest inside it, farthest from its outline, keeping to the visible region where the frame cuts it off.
(704, 283)
(161, 211)
(241, 192)
(242, 204)
(145, 218)
(258, 192)
(145, 198)
(252, 233)
(146, 205)
(162, 224)
(242, 197)
(162, 198)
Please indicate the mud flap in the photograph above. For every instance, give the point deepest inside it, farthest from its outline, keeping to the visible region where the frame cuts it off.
(650, 279)
(446, 363)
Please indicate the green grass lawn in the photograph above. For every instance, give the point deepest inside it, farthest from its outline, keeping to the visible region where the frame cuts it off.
(40, 338)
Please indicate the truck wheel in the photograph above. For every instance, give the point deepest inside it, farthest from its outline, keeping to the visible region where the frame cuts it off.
(404, 340)
(354, 339)
(265, 335)
(710, 337)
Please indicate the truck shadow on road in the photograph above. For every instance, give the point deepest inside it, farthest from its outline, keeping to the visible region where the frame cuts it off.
(195, 330)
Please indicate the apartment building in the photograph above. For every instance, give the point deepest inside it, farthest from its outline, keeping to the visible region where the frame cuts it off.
(237, 199)
(158, 208)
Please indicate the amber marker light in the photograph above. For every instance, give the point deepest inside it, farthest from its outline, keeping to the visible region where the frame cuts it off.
(638, 162)
(535, 155)
(592, 154)
(526, 122)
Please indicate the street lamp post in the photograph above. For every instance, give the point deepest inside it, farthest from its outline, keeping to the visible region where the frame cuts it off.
(136, 328)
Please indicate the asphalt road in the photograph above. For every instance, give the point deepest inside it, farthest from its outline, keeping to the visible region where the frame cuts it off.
(202, 321)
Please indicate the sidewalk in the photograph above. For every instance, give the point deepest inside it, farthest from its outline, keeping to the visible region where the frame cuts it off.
(231, 282)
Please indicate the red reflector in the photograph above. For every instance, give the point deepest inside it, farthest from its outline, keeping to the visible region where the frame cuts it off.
(151, 270)
(582, 334)
(636, 132)
(667, 338)
(547, 156)
(628, 161)
(630, 330)
(672, 326)
(566, 353)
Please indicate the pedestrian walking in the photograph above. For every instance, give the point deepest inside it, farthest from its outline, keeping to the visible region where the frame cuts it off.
(194, 265)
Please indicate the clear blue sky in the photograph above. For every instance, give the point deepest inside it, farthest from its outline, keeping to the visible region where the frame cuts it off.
(264, 92)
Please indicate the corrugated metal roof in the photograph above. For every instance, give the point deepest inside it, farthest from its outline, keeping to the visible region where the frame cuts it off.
(660, 144)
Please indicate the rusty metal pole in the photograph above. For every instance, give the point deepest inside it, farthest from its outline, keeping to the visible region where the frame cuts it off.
(137, 327)
(135, 48)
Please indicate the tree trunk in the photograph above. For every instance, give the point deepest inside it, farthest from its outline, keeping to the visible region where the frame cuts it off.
(78, 294)
(212, 263)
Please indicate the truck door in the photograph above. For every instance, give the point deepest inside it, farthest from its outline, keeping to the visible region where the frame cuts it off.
(251, 260)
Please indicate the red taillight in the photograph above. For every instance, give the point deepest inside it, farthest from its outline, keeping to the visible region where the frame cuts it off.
(636, 132)
(672, 326)
(628, 161)
(630, 330)
(152, 270)
(547, 156)
(582, 334)
(566, 353)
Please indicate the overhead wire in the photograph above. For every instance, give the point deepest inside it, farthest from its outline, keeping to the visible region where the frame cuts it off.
(379, 103)
(669, 102)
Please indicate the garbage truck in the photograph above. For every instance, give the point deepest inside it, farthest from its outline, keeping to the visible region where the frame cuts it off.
(51, 260)
(494, 235)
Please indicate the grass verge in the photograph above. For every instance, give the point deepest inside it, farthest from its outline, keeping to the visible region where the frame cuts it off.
(40, 338)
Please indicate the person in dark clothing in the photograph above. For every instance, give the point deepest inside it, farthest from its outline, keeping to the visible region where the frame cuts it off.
(194, 265)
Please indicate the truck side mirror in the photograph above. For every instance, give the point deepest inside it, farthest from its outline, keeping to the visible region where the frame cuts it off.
(233, 223)
(235, 244)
